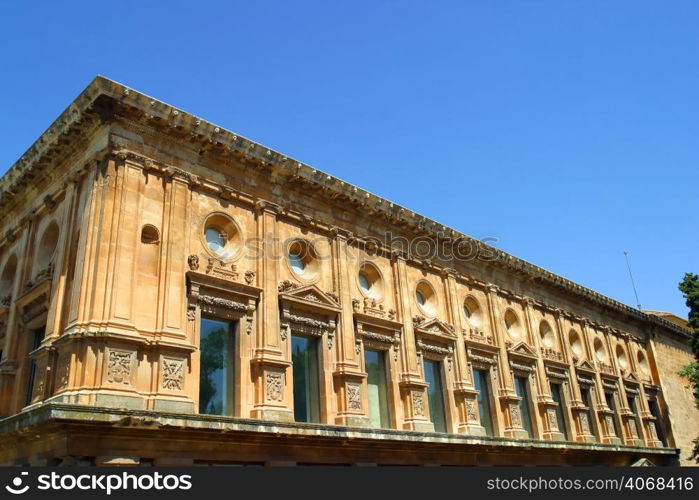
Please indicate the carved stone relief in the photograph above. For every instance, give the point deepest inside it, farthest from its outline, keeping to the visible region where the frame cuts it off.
(173, 374)
(354, 396)
(119, 367)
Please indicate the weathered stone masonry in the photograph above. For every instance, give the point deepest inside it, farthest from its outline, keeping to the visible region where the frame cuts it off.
(106, 272)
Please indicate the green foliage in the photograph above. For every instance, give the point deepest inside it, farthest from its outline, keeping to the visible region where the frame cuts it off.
(689, 286)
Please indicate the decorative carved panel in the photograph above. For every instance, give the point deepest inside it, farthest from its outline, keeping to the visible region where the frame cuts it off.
(119, 366)
(173, 374)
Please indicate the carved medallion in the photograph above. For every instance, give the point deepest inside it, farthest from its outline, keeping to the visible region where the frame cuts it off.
(173, 374)
(119, 367)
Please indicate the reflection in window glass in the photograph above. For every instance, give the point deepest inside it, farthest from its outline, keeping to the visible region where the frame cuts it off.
(216, 375)
(304, 356)
(609, 397)
(364, 282)
(37, 337)
(297, 263)
(215, 240)
(524, 404)
(557, 395)
(375, 364)
(483, 387)
(435, 394)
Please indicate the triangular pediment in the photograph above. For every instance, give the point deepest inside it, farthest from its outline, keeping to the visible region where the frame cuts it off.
(435, 326)
(586, 365)
(310, 295)
(523, 349)
(632, 377)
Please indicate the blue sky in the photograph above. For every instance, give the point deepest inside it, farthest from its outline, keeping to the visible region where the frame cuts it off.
(565, 129)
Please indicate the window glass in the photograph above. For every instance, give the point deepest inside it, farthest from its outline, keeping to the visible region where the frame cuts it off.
(435, 394)
(297, 263)
(375, 364)
(37, 337)
(304, 356)
(215, 240)
(557, 395)
(522, 390)
(364, 282)
(216, 367)
(483, 387)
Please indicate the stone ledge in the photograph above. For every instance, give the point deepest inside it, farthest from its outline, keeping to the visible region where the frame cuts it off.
(53, 413)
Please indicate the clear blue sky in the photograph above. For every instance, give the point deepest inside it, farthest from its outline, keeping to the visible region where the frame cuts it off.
(566, 129)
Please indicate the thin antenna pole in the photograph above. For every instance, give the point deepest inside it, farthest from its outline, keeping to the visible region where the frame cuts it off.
(638, 302)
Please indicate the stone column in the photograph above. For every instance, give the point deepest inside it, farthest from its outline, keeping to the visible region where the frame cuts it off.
(509, 401)
(412, 385)
(347, 375)
(273, 396)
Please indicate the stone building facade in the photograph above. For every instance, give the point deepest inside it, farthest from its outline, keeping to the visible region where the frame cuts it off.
(172, 293)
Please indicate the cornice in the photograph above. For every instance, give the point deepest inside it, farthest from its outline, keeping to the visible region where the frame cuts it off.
(102, 96)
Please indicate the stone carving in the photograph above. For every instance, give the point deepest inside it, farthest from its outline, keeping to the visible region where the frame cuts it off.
(551, 417)
(286, 285)
(585, 423)
(552, 354)
(274, 386)
(217, 268)
(418, 404)
(39, 382)
(5, 301)
(193, 262)
(479, 336)
(515, 415)
(62, 371)
(333, 296)
(354, 397)
(609, 422)
(435, 349)
(224, 303)
(173, 374)
(471, 410)
(249, 277)
(119, 367)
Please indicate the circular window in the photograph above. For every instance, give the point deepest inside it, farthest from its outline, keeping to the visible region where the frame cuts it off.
(600, 352)
(512, 325)
(426, 298)
(303, 259)
(222, 237)
(150, 235)
(643, 364)
(472, 312)
(575, 343)
(547, 336)
(47, 247)
(621, 358)
(369, 281)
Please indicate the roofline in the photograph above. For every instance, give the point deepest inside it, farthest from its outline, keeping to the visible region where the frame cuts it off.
(101, 86)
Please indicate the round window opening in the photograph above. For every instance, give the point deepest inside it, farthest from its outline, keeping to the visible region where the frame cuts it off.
(302, 259)
(472, 312)
(621, 358)
(369, 281)
(426, 298)
(600, 353)
(512, 325)
(547, 336)
(222, 236)
(575, 343)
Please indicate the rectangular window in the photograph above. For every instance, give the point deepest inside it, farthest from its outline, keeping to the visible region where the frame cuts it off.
(304, 356)
(587, 401)
(482, 384)
(524, 404)
(377, 392)
(557, 395)
(611, 403)
(216, 367)
(632, 405)
(37, 337)
(653, 407)
(435, 394)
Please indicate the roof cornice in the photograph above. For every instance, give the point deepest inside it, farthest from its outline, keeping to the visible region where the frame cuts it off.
(83, 108)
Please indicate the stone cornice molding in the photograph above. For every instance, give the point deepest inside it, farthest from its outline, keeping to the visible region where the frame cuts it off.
(102, 97)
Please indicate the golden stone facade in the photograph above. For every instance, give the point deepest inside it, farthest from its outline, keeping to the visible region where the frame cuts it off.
(131, 224)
